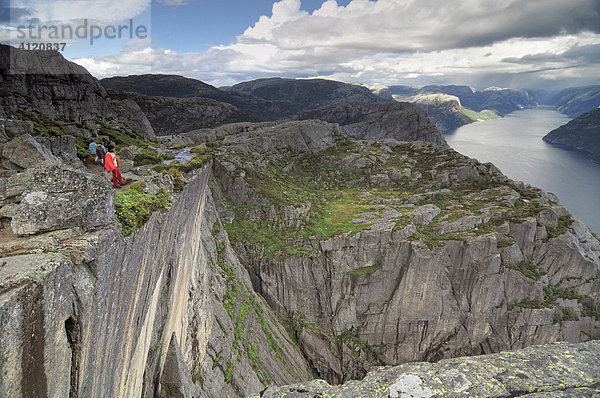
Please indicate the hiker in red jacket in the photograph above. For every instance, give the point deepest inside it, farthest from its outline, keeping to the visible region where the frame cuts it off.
(111, 163)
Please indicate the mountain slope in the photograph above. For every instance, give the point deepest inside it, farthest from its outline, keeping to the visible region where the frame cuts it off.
(582, 133)
(307, 94)
(169, 115)
(363, 114)
(45, 82)
(501, 100)
(182, 87)
(575, 101)
(43, 93)
(453, 106)
(380, 120)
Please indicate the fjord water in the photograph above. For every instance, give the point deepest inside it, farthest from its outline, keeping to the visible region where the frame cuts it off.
(514, 144)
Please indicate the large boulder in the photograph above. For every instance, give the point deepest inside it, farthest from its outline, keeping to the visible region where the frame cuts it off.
(55, 196)
(24, 152)
(130, 152)
(131, 114)
(15, 128)
(63, 147)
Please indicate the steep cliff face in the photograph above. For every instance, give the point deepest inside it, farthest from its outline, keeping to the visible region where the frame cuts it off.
(44, 92)
(86, 312)
(383, 253)
(376, 121)
(583, 133)
(445, 110)
(45, 82)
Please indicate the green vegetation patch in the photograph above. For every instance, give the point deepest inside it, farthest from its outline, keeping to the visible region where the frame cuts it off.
(565, 314)
(134, 207)
(345, 200)
(123, 138)
(529, 268)
(563, 225)
(505, 243)
(432, 239)
(177, 170)
(228, 372)
(147, 157)
(356, 345)
(531, 304)
(195, 163)
(294, 323)
(486, 114)
(589, 306)
(365, 270)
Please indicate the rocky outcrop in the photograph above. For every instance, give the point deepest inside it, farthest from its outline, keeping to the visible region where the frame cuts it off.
(131, 114)
(400, 121)
(555, 370)
(52, 196)
(583, 133)
(23, 152)
(399, 252)
(44, 82)
(166, 312)
(63, 147)
(445, 110)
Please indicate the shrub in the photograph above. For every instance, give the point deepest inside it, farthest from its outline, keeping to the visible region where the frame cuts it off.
(528, 268)
(147, 157)
(133, 207)
(565, 314)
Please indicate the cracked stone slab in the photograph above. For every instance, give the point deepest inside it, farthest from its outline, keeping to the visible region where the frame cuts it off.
(553, 370)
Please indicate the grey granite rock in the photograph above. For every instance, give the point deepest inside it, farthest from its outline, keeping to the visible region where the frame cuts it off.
(23, 152)
(131, 114)
(55, 196)
(554, 370)
(44, 82)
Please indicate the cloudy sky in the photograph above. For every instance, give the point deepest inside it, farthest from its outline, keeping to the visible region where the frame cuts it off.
(509, 43)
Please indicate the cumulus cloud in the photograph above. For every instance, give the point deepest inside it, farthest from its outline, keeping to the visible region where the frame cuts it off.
(421, 25)
(400, 41)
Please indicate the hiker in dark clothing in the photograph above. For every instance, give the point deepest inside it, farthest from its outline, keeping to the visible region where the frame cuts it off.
(100, 152)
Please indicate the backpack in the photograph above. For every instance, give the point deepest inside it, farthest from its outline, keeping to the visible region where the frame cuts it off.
(100, 151)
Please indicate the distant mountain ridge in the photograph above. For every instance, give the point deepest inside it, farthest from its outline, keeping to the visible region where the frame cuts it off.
(175, 86)
(582, 133)
(361, 113)
(306, 93)
(501, 100)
